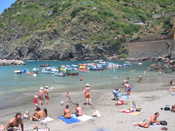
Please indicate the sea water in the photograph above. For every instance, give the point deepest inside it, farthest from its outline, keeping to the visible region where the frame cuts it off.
(12, 85)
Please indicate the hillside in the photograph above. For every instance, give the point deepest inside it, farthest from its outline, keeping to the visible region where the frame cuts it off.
(81, 29)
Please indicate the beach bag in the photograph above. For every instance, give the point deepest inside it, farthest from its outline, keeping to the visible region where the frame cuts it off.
(163, 123)
(167, 108)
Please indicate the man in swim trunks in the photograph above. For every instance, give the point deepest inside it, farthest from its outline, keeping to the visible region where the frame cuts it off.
(87, 94)
(41, 95)
(127, 87)
(46, 94)
(78, 110)
(15, 123)
(67, 112)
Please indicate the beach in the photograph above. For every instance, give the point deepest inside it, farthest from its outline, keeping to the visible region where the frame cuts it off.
(150, 95)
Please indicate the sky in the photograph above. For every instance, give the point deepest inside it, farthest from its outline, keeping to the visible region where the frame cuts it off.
(5, 4)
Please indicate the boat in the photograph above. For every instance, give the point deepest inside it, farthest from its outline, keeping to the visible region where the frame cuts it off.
(96, 67)
(72, 73)
(60, 74)
(17, 72)
(20, 71)
(35, 70)
(49, 70)
(83, 67)
(44, 65)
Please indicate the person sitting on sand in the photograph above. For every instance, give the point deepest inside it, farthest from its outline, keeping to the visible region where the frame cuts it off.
(2, 128)
(39, 114)
(127, 87)
(173, 108)
(152, 120)
(26, 115)
(171, 82)
(78, 110)
(15, 123)
(133, 107)
(67, 112)
(116, 92)
(87, 94)
(140, 79)
(172, 87)
(46, 94)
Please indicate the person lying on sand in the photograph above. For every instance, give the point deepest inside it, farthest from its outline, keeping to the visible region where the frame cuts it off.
(152, 120)
(67, 112)
(15, 123)
(39, 114)
(132, 108)
(78, 110)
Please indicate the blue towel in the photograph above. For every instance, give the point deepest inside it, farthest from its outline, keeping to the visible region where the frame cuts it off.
(69, 121)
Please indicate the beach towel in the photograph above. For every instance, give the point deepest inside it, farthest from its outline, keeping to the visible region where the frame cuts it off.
(124, 97)
(69, 121)
(84, 118)
(126, 111)
(134, 113)
(121, 102)
(47, 119)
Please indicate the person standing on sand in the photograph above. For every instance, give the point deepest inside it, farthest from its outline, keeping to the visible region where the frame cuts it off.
(127, 87)
(87, 94)
(68, 97)
(15, 123)
(35, 100)
(41, 95)
(46, 94)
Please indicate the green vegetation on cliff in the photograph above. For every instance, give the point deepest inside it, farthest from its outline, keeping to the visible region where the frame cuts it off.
(57, 25)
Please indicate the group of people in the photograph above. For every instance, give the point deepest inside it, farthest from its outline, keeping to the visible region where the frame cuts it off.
(41, 97)
(68, 114)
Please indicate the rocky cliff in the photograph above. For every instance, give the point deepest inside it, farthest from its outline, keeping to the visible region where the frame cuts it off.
(81, 29)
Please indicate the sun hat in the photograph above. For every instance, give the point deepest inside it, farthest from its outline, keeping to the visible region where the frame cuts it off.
(87, 85)
(41, 88)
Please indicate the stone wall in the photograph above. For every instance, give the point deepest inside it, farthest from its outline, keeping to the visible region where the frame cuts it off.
(159, 48)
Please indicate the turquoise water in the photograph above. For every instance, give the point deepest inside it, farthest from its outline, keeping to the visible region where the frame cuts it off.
(12, 84)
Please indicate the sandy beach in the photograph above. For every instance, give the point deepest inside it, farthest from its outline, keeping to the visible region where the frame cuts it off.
(150, 95)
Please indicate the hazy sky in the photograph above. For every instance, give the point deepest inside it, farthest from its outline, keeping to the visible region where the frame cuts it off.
(5, 4)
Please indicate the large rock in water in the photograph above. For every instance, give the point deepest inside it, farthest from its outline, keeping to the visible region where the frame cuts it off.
(4, 62)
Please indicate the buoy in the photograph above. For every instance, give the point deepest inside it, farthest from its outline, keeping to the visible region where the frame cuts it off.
(35, 75)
